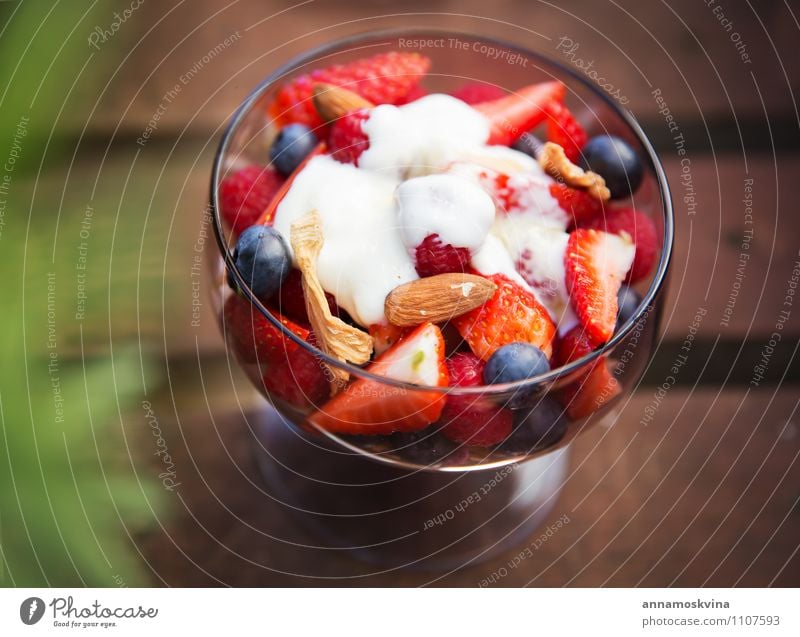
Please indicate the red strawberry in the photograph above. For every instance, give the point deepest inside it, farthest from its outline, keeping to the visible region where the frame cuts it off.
(300, 379)
(384, 336)
(515, 114)
(292, 373)
(269, 213)
(512, 314)
(386, 78)
(640, 228)
(596, 263)
(477, 92)
(563, 129)
(412, 96)
(595, 387)
(431, 257)
(472, 419)
(371, 407)
(245, 195)
(347, 140)
(579, 204)
(253, 336)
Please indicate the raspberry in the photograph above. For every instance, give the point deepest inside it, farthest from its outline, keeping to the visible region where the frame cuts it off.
(580, 205)
(245, 195)
(291, 300)
(563, 129)
(477, 92)
(386, 78)
(432, 257)
(347, 139)
(472, 419)
(641, 229)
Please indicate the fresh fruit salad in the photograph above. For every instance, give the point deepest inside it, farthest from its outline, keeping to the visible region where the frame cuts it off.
(466, 240)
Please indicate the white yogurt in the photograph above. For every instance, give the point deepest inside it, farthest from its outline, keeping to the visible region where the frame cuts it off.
(538, 252)
(459, 211)
(363, 257)
(421, 137)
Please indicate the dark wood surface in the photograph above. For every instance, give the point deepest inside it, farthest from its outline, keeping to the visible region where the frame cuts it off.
(706, 494)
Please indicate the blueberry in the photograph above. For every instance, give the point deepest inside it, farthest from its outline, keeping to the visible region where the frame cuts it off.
(628, 301)
(424, 447)
(291, 147)
(513, 362)
(262, 258)
(616, 162)
(541, 426)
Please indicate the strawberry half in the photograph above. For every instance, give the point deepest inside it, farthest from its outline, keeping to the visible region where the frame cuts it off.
(386, 78)
(596, 263)
(515, 114)
(368, 407)
(384, 336)
(512, 314)
(255, 338)
(595, 387)
(563, 129)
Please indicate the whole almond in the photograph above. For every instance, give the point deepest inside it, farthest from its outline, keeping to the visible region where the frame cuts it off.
(436, 298)
(332, 102)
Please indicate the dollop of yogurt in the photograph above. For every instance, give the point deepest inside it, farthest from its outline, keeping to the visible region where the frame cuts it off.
(459, 211)
(421, 137)
(363, 257)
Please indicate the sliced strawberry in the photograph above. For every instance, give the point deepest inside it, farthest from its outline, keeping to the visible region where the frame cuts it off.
(384, 336)
(640, 228)
(386, 78)
(515, 114)
(298, 378)
(580, 205)
(269, 214)
(563, 129)
(595, 387)
(477, 92)
(371, 407)
(596, 264)
(512, 314)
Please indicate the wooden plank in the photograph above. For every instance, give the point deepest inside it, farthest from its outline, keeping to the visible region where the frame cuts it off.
(680, 47)
(704, 495)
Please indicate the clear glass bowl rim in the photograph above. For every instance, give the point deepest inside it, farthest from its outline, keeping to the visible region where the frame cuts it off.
(337, 45)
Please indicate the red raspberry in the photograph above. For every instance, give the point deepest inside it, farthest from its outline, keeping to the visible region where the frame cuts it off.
(640, 228)
(245, 195)
(477, 92)
(472, 419)
(432, 257)
(347, 139)
(291, 300)
(386, 78)
(582, 206)
(563, 129)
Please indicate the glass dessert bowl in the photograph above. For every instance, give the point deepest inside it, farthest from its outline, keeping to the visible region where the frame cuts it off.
(434, 259)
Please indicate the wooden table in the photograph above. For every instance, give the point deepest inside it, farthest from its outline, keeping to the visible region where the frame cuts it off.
(706, 494)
